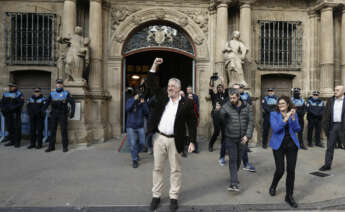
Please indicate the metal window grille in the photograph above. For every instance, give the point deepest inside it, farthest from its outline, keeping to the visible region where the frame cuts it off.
(30, 38)
(280, 45)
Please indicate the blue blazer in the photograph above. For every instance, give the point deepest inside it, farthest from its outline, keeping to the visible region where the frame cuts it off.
(278, 129)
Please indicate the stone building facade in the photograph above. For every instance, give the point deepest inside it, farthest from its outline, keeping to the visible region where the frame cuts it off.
(292, 43)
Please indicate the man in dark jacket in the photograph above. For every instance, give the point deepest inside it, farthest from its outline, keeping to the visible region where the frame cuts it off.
(136, 109)
(170, 115)
(269, 103)
(218, 98)
(11, 107)
(333, 124)
(315, 109)
(299, 102)
(238, 121)
(36, 113)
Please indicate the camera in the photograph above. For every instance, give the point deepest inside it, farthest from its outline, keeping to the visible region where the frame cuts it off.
(213, 78)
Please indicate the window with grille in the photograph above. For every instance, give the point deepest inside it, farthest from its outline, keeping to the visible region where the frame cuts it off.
(280, 45)
(30, 38)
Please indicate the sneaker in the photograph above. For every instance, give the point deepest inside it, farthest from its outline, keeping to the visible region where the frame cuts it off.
(221, 161)
(249, 167)
(234, 187)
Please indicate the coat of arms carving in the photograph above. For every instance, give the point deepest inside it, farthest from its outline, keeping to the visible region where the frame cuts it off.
(160, 34)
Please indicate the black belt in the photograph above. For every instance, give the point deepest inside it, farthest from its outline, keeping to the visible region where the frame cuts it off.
(337, 123)
(168, 136)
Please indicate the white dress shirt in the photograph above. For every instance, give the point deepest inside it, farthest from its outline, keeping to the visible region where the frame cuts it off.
(337, 109)
(166, 125)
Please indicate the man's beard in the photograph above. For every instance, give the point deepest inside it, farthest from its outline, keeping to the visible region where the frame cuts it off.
(234, 103)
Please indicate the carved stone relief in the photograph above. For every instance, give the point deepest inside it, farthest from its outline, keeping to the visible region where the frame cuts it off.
(119, 14)
(199, 16)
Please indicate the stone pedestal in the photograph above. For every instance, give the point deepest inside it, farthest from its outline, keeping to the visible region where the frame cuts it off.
(78, 131)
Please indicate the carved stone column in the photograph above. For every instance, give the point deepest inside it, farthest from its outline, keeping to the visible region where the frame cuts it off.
(327, 52)
(221, 35)
(246, 24)
(314, 55)
(342, 62)
(69, 18)
(95, 34)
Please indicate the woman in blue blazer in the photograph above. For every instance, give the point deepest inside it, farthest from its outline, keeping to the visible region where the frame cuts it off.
(284, 142)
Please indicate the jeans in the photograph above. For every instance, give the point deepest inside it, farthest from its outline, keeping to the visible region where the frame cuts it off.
(134, 135)
(235, 150)
(245, 159)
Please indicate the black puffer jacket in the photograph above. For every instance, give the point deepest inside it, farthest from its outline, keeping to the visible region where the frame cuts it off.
(236, 124)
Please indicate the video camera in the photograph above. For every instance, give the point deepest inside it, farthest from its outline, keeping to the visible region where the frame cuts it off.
(213, 78)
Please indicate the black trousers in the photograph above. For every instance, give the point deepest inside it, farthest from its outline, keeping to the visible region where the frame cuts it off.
(36, 129)
(216, 131)
(336, 134)
(266, 128)
(13, 124)
(290, 153)
(55, 119)
(314, 124)
(300, 133)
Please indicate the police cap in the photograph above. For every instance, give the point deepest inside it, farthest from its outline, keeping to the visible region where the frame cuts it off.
(59, 81)
(270, 89)
(296, 89)
(242, 86)
(316, 93)
(12, 84)
(37, 89)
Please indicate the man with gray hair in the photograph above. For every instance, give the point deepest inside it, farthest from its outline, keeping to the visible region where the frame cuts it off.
(333, 124)
(237, 120)
(170, 116)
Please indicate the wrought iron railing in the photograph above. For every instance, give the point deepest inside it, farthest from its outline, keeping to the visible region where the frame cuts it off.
(281, 45)
(30, 38)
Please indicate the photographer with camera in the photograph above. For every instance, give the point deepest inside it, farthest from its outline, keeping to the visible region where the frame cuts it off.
(218, 99)
(136, 109)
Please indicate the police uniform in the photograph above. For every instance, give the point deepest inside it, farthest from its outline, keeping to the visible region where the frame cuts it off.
(300, 109)
(11, 106)
(36, 113)
(315, 109)
(59, 100)
(268, 104)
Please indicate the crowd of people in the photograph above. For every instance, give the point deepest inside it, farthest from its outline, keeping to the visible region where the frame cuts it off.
(173, 118)
(62, 108)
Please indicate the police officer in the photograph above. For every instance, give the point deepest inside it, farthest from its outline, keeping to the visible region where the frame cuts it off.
(245, 96)
(11, 106)
(315, 108)
(59, 100)
(269, 103)
(36, 113)
(299, 102)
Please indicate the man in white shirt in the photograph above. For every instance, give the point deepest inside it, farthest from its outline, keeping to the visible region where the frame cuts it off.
(170, 115)
(333, 123)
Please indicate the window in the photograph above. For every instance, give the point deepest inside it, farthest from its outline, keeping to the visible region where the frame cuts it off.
(280, 45)
(30, 39)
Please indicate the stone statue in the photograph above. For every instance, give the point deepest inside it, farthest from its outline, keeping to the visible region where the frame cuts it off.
(76, 56)
(234, 54)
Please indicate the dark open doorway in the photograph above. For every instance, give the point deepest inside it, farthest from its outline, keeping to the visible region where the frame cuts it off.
(176, 65)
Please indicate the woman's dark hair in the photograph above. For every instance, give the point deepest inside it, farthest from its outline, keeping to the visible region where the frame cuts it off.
(287, 100)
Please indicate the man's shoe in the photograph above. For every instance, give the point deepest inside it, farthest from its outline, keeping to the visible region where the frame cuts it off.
(249, 167)
(65, 149)
(184, 154)
(210, 149)
(50, 149)
(173, 205)
(272, 190)
(324, 168)
(234, 187)
(154, 203)
(221, 161)
(135, 164)
(310, 144)
(303, 147)
(31, 146)
(39, 146)
(291, 201)
(264, 146)
(319, 145)
(9, 144)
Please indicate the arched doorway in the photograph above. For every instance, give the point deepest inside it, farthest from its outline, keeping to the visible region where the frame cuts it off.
(157, 39)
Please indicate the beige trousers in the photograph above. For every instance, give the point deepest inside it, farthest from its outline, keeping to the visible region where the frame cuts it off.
(165, 148)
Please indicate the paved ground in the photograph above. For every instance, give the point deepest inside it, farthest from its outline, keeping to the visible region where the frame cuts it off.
(99, 178)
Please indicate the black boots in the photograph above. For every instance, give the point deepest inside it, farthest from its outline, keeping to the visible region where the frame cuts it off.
(289, 199)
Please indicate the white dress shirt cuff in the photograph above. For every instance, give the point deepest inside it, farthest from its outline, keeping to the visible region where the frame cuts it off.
(152, 71)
